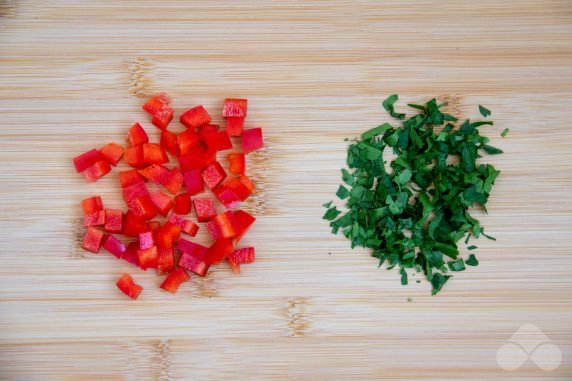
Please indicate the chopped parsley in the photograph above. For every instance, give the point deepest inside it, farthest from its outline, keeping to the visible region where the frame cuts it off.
(413, 211)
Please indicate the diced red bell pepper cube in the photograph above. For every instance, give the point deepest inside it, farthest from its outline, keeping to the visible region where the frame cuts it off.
(163, 117)
(247, 183)
(174, 181)
(187, 226)
(218, 141)
(154, 154)
(137, 135)
(193, 258)
(86, 160)
(194, 182)
(156, 103)
(174, 280)
(213, 174)
(226, 196)
(128, 286)
(170, 142)
(167, 235)
(243, 223)
(213, 230)
(112, 153)
(182, 204)
(156, 173)
(146, 240)
(143, 207)
(166, 261)
(130, 177)
(227, 224)
(96, 218)
(134, 157)
(163, 202)
(234, 108)
(153, 227)
(97, 171)
(113, 246)
(238, 187)
(92, 240)
(92, 204)
(199, 158)
(204, 208)
(133, 191)
(219, 251)
(130, 254)
(148, 258)
(207, 129)
(236, 163)
(195, 117)
(133, 225)
(234, 126)
(240, 256)
(113, 221)
(252, 140)
(187, 141)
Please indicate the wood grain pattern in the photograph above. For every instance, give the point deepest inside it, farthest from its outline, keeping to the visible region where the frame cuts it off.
(71, 77)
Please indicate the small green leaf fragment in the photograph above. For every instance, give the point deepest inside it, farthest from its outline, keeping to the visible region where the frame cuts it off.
(331, 214)
(472, 260)
(484, 111)
(342, 192)
(504, 132)
(472, 247)
(376, 131)
(404, 280)
(458, 265)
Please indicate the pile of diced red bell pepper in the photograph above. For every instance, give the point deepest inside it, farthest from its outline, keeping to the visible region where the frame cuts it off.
(176, 191)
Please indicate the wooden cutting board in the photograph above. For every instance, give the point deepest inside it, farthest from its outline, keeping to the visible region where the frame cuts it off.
(72, 77)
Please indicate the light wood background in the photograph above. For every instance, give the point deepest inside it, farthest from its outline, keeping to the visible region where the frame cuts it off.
(72, 74)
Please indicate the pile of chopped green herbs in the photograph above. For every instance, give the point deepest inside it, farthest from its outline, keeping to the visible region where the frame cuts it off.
(413, 212)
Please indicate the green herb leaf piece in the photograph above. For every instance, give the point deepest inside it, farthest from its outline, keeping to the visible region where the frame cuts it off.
(388, 106)
(484, 111)
(504, 132)
(472, 260)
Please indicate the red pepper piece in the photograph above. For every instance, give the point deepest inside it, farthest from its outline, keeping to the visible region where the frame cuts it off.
(213, 174)
(112, 153)
(252, 140)
(137, 135)
(243, 223)
(247, 183)
(153, 227)
(227, 224)
(238, 187)
(174, 280)
(143, 207)
(146, 240)
(92, 240)
(187, 141)
(134, 191)
(86, 160)
(148, 258)
(193, 182)
(163, 117)
(92, 204)
(156, 173)
(162, 202)
(166, 261)
(207, 129)
(154, 154)
(114, 246)
(234, 126)
(113, 221)
(182, 204)
(128, 286)
(170, 142)
(130, 254)
(234, 108)
(195, 117)
(198, 158)
(97, 171)
(218, 141)
(133, 225)
(226, 196)
(213, 230)
(236, 164)
(134, 157)
(156, 103)
(240, 256)
(193, 258)
(96, 218)
(167, 235)
(204, 208)
(130, 177)
(174, 182)
(187, 226)
(219, 251)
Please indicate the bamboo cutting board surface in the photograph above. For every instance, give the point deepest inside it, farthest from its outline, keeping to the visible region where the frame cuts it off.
(72, 77)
